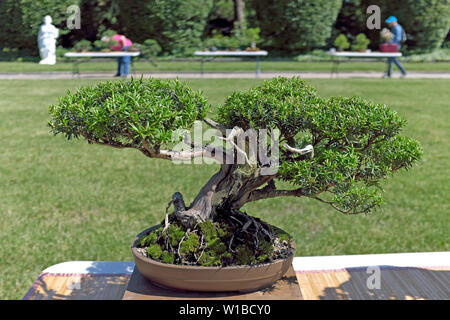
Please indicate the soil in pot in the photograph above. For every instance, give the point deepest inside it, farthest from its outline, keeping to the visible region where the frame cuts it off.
(235, 252)
(230, 240)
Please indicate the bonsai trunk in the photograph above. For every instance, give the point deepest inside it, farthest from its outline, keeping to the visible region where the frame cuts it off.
(227, 191)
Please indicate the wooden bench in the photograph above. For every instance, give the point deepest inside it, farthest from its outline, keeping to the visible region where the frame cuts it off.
(401, 276)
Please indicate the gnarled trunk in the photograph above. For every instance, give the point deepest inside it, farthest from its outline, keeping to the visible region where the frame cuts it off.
(228, 189)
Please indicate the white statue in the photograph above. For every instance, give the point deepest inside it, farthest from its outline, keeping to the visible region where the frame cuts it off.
(47, 41)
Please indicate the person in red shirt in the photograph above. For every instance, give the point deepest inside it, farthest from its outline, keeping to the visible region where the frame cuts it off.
(123, 43)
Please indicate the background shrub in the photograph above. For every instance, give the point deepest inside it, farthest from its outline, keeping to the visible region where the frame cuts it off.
(21, 20)
(177, 25)
(426, 22)
(295, 26)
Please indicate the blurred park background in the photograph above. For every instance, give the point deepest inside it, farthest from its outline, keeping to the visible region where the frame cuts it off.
(62, 201)
(295, 33)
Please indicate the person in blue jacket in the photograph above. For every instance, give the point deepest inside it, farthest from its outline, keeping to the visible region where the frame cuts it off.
(398, 32)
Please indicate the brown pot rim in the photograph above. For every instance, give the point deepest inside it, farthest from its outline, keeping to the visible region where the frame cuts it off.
(189, 267)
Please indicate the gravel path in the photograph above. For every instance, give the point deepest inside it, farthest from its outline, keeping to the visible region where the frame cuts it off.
(221, 75)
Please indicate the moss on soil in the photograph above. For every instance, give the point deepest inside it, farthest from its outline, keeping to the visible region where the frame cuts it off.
(213, 244)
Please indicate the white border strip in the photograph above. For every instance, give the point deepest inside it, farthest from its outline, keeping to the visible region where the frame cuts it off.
(422, 259)
(92, 267)
(315, 263)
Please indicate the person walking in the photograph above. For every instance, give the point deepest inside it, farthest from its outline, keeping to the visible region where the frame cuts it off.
(123, 43)
(399, 37)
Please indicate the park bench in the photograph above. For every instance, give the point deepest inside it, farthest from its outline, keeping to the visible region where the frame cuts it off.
(337, 55)
(80, 57)
(242, 54)
(371, 276)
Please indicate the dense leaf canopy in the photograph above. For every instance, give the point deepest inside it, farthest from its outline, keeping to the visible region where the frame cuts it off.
(122, 113)
(356, 143)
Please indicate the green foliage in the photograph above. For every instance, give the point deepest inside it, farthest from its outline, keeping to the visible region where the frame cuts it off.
(341, 42)
(60, 51)
(253, 34)
(167, 257)
(361, 42)
(154, 251)
(295, 26)
(265, 251)
(245, 256)
(21, 20)
(177, 25)
(106, 42)
(176, 233)
(108, 33)
(124, 113)
(223, 9)
(148, 239)
(277, 103)
(356, 142)
(221, 42)
(101, 45)
(83, 45)
(149, 48)
(190, 244)
(208, 259)
(351, 20)
(426, 22)
(283, 235)
(208, 230)
(437, 55)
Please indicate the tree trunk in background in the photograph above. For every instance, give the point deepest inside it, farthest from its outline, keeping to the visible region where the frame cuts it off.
(239, 14)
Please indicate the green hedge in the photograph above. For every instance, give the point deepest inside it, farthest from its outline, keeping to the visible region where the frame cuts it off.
(21, 20)
(426, 22)
(287, 26)
(295, 26)
(177, 25)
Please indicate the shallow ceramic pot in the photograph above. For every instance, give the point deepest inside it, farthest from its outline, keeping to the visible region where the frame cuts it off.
(218, 279)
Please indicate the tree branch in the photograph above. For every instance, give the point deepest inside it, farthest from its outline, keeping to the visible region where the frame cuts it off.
(308, 149)
(216, 125)
(335, 207)
(207, 152)
(264, 193)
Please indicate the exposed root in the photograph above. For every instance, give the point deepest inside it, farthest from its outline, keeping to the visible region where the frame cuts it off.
(233, 238)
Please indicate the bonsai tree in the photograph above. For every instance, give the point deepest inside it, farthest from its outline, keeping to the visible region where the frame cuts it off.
(83, 45)
(341, 42)
(386, 35)
(252, 37)
(150, 49)
(105, 43)
(334, 150)
(361, 43)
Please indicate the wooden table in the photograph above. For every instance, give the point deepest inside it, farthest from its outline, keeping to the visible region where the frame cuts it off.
(218, 53)
(362, 55)
(401, 276)
(80, 57)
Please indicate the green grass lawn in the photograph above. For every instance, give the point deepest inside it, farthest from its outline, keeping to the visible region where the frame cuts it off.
(142, 66)
(67, 200)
